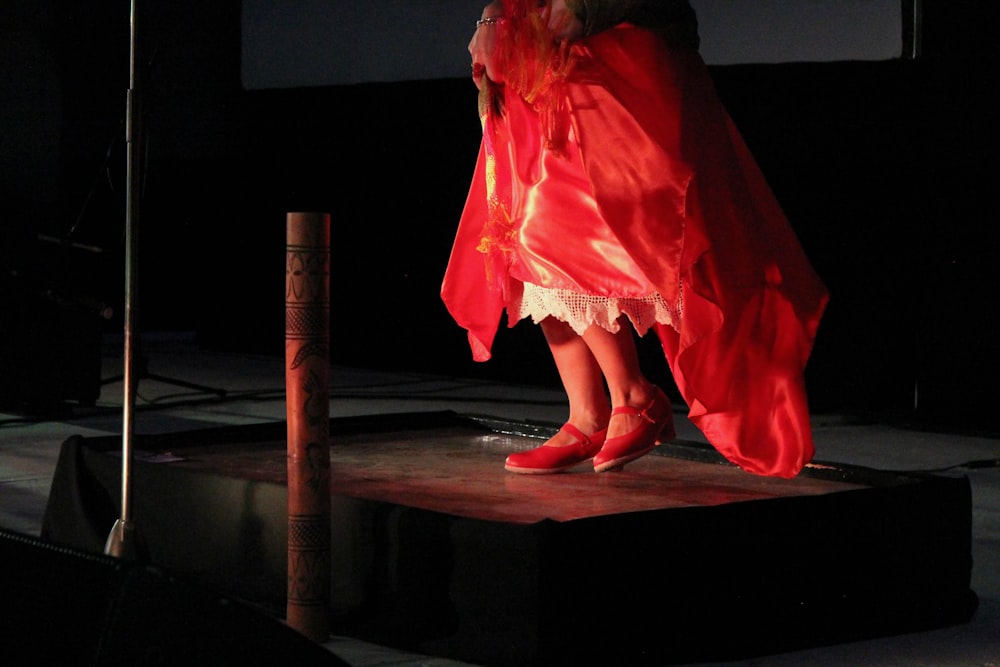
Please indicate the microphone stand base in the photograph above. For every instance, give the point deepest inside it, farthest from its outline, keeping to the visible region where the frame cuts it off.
(124, 542)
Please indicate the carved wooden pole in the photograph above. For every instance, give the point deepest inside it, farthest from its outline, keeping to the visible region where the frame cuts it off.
(307, 390)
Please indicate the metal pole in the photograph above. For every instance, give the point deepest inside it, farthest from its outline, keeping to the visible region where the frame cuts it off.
(913, 29)
(122, 541)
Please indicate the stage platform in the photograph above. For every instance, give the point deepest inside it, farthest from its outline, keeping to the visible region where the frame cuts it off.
(437, 549)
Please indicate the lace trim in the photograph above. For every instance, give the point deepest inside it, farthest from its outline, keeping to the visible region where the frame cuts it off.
(581, 311)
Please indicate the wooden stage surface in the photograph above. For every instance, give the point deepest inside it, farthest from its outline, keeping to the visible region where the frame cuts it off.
(458, 469)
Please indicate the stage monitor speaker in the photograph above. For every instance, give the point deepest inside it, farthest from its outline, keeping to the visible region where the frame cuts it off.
(66, 607)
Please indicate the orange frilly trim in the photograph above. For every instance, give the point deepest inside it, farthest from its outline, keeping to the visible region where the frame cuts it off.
(537, 64)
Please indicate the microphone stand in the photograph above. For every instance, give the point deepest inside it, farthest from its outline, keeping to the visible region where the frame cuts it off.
(123, 540)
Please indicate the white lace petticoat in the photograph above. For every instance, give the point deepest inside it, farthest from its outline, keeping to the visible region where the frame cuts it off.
(581, 311)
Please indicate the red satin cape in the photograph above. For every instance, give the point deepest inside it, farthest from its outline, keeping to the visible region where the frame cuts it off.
(675, 181)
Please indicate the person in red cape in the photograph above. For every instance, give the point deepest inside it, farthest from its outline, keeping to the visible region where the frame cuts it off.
(613, 195)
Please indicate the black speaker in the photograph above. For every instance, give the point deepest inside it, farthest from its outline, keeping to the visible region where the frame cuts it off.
(66, 607)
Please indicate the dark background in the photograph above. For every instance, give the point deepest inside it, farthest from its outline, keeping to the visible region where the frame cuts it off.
(886, 169)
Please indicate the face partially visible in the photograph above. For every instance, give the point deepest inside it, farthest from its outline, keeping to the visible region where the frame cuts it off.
(483, 46)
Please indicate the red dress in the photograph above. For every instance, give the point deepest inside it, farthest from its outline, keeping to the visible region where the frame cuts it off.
(652, 204)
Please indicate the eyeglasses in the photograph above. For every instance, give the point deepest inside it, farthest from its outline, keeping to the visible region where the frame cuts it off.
(489, 20)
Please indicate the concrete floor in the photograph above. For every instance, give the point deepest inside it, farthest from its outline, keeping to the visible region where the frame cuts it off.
(254, 393)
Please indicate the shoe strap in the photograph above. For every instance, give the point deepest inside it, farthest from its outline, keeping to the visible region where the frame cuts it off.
(636, 412)
(576, 433)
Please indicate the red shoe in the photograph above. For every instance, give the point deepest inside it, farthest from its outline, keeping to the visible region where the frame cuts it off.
(549, 458)
(658, 426)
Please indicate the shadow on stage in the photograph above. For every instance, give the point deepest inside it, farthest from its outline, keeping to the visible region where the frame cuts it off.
(436, 549)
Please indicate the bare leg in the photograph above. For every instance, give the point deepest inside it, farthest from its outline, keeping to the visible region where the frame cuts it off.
(618, 359)
(582, 378)
(585, 363)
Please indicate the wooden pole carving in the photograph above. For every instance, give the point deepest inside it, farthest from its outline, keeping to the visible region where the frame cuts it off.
(307, 390)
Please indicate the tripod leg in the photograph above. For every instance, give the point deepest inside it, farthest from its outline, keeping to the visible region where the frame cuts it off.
(142, 372)
(221, 393)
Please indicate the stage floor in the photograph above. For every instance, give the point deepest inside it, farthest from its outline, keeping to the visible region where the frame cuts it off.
(437, 549)
(456, 467)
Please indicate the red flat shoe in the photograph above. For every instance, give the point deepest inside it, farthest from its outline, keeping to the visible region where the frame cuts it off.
(550, 458)
(657, 426)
